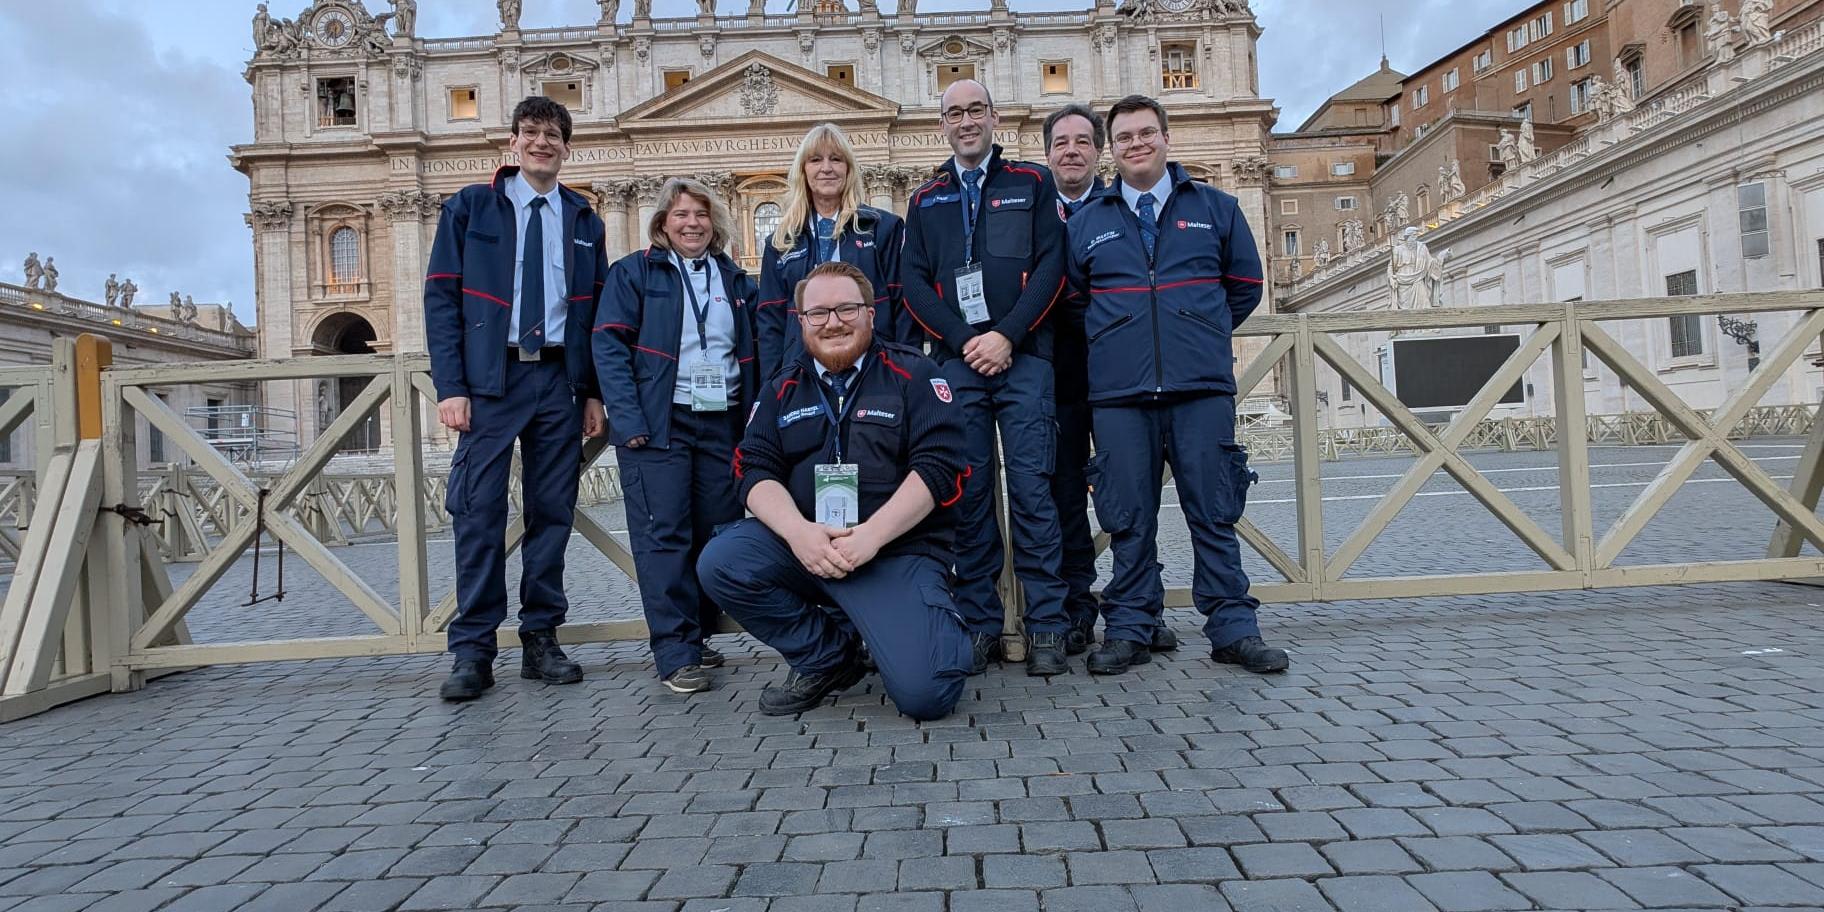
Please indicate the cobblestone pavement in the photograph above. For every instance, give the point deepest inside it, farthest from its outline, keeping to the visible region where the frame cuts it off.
(1659, 748)
(1649, 748)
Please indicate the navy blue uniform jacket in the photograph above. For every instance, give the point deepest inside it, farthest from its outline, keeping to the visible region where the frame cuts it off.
(638, 327)
(872, 244)
(1162, 328)
(900, 420)
(468, 293)
(1018, 241)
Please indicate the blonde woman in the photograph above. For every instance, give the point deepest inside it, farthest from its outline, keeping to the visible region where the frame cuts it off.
(674, 350)
(824, 220)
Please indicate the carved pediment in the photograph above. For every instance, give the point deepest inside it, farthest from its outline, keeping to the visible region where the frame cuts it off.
(956, 47)
(753, 85)
(559, 63)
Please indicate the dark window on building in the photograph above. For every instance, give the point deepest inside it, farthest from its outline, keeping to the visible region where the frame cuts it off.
(336, 102)
(1686, 331)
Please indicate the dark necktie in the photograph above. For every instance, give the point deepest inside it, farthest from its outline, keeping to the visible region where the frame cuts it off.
(1149, 223)
(839, 384)
(532, 280)
(972, 191)
(826, 240)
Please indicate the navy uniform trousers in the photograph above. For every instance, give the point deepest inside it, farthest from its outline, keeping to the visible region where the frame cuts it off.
(540, 410)
(1020, 400)
(898, 603)
(1070, 491)
(676, 497)
(1197, 436)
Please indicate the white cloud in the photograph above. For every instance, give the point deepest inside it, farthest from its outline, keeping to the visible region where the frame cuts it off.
(122, 113)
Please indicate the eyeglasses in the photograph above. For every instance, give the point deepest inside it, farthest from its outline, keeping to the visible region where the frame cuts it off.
(820, 316)
(976, 111)
(1144, 136)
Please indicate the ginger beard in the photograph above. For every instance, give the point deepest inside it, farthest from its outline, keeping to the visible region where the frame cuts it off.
(837, 344)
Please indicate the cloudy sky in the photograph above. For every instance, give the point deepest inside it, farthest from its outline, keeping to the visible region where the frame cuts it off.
(122, 112)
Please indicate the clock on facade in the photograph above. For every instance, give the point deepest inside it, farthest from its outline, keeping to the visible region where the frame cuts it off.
(1176, 6)
(335, 28)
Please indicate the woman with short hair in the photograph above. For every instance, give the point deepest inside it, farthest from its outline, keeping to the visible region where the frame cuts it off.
(674, 349)
(825, 219)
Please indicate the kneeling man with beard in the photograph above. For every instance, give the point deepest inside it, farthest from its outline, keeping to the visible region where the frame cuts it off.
(851, 463)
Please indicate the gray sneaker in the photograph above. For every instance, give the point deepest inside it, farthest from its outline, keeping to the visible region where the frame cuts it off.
(689, 680)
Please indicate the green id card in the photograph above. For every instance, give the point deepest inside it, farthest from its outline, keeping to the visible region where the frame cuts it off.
(708, 388)
(838, 494)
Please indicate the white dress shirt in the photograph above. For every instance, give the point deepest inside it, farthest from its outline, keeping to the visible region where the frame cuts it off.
(556, 291)
(719, 329)
(1160, 191)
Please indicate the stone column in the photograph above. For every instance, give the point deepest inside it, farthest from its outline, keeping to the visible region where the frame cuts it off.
(646, 190)
(271, 221)
(878, 181)
(407, 210)
(613, 196)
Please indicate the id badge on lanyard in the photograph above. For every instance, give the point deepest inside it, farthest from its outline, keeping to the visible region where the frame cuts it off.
(836, 494)
(708, 388)
(970, 295)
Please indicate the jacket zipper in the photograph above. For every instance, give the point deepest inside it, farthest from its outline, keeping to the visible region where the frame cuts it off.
(1152, 282)
(1111, 327)
(1201, 319)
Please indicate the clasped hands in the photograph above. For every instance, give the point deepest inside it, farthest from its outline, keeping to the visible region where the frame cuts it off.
(988, 354)
(832, 553)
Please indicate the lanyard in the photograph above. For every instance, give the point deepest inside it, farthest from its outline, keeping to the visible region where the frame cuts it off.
(971, 219)
(836, 415)
(701, 311)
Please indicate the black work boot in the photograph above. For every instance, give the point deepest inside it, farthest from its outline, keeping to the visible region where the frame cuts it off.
(1045, 656)
(804, 692)
(1253, 655)
(541, 659)
(469, 678)
(1080, 635)
(985, 648)
(1117, 656)
(1164, 640)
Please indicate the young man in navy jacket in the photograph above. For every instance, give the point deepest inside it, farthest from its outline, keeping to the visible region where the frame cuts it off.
(508, 304)
(1164, 269)
(851, 465)
(982, 268)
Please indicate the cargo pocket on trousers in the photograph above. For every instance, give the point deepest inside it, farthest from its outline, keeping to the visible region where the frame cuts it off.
(948, 636)
(1111, 515)
(1230, 486)
(455, 491)
(633, 496)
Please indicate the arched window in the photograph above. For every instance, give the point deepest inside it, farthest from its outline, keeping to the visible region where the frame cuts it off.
(344, 257)
(766, 221)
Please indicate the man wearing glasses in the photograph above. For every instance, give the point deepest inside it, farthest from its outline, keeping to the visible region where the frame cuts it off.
(850, 465)
(1163, 269)
(982, 268)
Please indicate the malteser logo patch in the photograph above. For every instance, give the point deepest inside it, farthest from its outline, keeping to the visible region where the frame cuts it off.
(941, 387)
(880, 414)
(1182, 224)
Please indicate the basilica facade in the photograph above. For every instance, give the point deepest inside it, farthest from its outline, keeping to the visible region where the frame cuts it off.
(362, 127)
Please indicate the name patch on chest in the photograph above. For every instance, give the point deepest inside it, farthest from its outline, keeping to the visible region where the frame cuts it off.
(1101, 239)
(796, 415)
(938, 198)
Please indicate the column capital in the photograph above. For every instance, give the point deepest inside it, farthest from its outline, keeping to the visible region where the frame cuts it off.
(270, 215)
